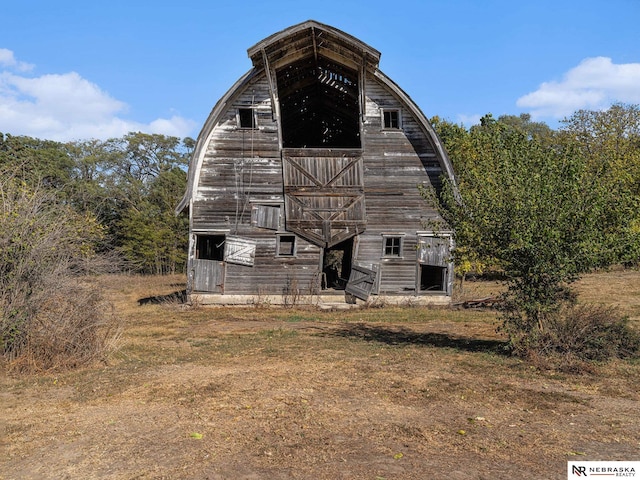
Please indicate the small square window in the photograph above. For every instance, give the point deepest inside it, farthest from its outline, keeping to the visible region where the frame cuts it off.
(247, 118)
(392, 247)
(391, 119)
(210, 247)
(286, 246)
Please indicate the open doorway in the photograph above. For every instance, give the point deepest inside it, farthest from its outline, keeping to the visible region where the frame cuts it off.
(433, 278)
(336, 265)
(208, 266)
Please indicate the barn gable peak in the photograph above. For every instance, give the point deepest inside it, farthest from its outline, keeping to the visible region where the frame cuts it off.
(313, 39)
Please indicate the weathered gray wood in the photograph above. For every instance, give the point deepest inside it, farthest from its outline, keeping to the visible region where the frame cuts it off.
(434, 251)
(324, 194)
(361, 282)
(266, 216)
(241, 251)
(208, 276)
(244, 183)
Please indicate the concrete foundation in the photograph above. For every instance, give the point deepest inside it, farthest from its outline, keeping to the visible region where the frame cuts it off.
(329, 301)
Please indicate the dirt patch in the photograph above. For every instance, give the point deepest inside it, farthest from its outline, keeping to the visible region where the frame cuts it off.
(283, 394)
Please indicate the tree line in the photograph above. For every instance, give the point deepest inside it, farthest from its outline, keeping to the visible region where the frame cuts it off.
(128, 186)
(69, 211)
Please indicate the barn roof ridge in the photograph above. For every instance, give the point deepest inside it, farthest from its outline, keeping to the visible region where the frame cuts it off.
(278, 44)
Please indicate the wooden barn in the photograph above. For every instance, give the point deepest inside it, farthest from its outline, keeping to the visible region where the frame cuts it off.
(303, 186)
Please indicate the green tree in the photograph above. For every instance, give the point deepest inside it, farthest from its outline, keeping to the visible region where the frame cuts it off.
(147, 180)
(538, 130)
(153, 238)
(130, 185)
(463, 155)
(610, 142)
(41, 162)
(537, 211)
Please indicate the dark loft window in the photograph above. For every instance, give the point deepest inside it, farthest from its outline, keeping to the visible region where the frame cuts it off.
(392, 246)
(319, 104)
(247, 118)
(391, 119)
(286, 245)
(210, 247)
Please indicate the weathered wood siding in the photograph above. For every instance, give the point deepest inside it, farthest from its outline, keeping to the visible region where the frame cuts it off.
(243, 168)
(240, 165)
(275, 275)
(395, 163)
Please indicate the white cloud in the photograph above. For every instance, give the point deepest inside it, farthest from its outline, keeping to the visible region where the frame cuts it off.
(7, 60)
(68, 107)
(594, 84)
(469, 120)
(175, 126)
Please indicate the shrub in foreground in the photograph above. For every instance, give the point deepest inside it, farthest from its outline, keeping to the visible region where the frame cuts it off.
(73, 327)
(49, 317)
(577, 335)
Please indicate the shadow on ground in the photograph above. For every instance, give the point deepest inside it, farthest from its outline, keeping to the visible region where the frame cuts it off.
(404, 336)
(175, 297)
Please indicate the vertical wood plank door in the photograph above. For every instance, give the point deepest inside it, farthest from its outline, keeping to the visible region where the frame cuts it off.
(434, 251)
(361, 282)
(324, 194)
(208, 276)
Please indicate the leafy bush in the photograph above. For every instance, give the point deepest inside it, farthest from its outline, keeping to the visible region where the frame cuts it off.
(545, 212)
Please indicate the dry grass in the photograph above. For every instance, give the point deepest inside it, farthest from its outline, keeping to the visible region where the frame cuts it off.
(617, 288)
(247, 393)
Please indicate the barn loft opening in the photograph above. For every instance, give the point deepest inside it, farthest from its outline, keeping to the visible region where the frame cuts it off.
(319, 104)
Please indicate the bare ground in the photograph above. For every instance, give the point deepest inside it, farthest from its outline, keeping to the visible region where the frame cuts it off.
(263, 393)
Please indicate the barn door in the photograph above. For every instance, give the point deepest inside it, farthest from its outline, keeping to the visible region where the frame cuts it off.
(434, 250)
(361, 282)
(336, 264)
(207, 267)
(324, 194)
(208, 276)
(241, 251)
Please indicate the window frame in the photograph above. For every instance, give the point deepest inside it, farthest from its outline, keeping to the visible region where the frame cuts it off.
(392, 237)
(443, 273)
(240, 117)
(398, 119)
(294, 246)
(208, 240)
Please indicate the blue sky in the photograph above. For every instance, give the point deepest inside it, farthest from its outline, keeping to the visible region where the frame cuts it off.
(73, 70)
